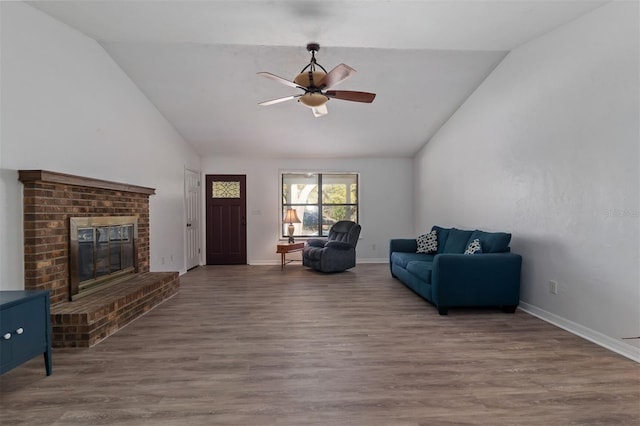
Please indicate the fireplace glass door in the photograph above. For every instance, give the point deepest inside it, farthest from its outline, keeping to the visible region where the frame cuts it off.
(102, 248)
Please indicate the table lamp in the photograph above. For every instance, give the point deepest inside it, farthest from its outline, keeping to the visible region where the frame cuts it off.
(291, 217)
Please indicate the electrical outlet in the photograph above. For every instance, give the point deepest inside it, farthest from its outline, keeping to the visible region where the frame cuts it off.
(553, 287)
(162, 260)
(373, 247)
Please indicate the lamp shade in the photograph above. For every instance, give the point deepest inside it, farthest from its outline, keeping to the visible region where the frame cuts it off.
(291, 216)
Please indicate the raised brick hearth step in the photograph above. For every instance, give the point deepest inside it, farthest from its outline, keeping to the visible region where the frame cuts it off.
(87, 321)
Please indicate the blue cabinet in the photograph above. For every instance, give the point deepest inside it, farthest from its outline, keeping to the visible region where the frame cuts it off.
(25, 328)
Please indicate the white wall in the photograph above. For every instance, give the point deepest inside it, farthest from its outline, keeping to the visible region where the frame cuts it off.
(67, 107)
(386, 205)
(547, 148)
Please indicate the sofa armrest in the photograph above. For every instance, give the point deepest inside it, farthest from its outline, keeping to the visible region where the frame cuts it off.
(338, 245)
(477, 279)
(404, 245)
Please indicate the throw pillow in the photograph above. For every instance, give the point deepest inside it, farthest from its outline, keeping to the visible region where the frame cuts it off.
(474, 247)
(428, 243)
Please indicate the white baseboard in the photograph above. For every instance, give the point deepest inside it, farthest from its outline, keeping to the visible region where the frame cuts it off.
(277, 262)
(596, 337)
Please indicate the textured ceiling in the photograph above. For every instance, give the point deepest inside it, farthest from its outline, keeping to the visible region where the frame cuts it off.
(197, 62)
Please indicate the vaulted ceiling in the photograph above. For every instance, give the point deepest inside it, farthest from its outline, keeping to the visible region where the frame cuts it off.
(197, 62)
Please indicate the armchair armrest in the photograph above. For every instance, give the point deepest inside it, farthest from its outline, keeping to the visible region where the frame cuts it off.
(316, 243)
(338, 245)
(477, 279)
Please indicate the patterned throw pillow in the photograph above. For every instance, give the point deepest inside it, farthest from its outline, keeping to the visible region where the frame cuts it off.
(474, 247)
(428, 243)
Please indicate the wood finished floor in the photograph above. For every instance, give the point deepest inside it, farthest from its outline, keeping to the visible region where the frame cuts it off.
(254, 345)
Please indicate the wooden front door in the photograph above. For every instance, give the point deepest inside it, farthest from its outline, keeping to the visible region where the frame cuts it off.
(226, 219)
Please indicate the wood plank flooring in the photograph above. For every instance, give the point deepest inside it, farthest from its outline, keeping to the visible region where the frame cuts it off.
(254, 345)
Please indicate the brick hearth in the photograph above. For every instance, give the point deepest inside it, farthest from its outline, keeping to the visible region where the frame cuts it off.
(50, 199)
(87, 321)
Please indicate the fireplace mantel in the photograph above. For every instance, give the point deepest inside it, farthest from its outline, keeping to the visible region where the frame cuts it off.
(25, 176)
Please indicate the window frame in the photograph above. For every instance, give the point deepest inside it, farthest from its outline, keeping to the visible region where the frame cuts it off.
(283, 205)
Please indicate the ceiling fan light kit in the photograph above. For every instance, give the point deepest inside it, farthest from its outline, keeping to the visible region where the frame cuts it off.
(316, 85)
(313, 100)
(307, 79)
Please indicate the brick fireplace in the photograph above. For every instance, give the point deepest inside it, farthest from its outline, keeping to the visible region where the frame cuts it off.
(51, 200)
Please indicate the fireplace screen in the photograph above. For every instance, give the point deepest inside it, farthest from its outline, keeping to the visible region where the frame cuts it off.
(102, 249)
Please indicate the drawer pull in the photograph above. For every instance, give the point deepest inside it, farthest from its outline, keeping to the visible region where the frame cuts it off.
(6, 336)
(20, 330)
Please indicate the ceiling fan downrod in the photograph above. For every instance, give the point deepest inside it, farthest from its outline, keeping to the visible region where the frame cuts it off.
(313, 48)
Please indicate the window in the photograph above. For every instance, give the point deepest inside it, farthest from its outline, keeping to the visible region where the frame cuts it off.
(320, 200)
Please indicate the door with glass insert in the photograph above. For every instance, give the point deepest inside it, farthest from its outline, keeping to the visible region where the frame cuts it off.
(226, 219)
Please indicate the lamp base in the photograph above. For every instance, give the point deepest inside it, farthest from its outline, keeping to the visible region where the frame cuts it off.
(291, 229)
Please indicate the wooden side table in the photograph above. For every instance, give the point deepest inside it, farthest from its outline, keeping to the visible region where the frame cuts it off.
(285, 248)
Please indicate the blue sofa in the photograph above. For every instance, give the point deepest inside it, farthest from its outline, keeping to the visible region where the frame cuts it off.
(449, 278)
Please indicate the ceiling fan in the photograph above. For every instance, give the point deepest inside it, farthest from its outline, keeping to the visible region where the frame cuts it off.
(317, 85)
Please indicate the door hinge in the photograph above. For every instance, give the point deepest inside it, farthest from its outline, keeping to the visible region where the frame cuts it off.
(198, 251)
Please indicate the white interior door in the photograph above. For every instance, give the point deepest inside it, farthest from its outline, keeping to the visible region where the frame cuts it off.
(192, 218)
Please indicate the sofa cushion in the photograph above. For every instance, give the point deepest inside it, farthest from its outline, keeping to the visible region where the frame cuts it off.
(492, 242)
(457, 241)
(402, 259)
(421, 269)
(428, 243)
(474, 247)
(443, 234)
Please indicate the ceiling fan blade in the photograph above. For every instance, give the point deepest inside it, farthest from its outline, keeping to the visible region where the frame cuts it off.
(348, 95)
(336, 76)
(319, 111)
(280, 80)
(277, 101)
